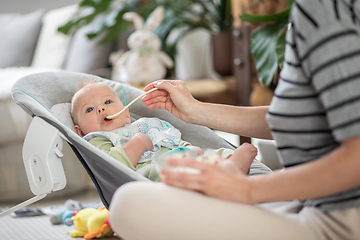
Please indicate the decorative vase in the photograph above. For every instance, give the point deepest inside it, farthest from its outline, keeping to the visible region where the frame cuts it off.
(193, 59)
(222, 53)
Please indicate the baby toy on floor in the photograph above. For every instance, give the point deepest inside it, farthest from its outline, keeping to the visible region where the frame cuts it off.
(65, 212)
(91, 223)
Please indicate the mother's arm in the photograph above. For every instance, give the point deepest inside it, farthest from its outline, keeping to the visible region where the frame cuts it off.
(331, 174)
(176, 98)
(244, 121)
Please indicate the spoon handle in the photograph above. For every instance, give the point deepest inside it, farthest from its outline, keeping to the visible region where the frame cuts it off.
(118, 114)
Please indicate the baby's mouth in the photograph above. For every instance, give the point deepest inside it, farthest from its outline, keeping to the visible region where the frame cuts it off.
(106, 120)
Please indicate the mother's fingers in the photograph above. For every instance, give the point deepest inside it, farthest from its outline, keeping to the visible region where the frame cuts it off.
(155, 94)
(157, 99)
(223, 182)
(151, 86)
(188, 162)
(188, 181)
(190, 174)
(161, 84)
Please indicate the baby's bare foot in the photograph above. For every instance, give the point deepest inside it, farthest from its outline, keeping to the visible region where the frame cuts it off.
(244, 156)
(198, 151)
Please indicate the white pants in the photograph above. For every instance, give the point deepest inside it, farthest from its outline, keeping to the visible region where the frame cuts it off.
(146, 210)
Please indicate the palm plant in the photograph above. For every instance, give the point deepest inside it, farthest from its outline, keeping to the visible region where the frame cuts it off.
(268, 43)
(112, 25)
(181, 17)
(221, 15)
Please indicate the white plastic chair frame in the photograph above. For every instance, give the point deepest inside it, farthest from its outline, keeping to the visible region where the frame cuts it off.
(42, 159)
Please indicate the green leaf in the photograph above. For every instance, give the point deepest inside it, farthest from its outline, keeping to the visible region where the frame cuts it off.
(75, 23)
(103, 5)
(87, 3)
(263, 48)
(268, 43)
(290, 2)
(115, 31)
(280, 50)
(113, 18)
(165, 27)
(265, 18)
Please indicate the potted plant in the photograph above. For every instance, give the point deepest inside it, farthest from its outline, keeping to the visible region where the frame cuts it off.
(222, 37)
(185, 34)
(181, 18)
(268, 43)
(188, 15)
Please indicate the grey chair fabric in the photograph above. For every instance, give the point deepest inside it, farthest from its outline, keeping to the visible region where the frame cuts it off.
(37, 93)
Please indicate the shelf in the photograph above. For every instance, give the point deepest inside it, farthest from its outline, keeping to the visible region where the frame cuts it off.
(200, 88)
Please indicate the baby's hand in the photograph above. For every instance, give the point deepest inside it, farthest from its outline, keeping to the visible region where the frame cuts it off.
(146, 141)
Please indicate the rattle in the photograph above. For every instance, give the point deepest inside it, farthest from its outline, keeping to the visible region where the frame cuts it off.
(118, 114)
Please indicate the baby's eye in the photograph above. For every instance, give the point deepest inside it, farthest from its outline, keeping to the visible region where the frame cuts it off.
(108, 102)
(89, 109)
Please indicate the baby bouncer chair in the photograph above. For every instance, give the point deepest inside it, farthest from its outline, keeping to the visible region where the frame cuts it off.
(46, 97)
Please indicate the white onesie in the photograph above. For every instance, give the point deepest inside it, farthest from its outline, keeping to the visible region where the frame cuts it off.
(161, 133)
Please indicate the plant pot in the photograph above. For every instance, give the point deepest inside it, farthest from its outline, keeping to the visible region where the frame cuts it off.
(222, 53)
(193, 59)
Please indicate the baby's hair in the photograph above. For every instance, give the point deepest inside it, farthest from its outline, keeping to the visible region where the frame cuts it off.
(84, 83)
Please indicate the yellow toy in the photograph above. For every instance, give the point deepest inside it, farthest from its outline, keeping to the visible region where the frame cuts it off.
(91, 223)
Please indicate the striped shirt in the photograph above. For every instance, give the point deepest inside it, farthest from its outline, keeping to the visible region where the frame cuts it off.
(317, 101)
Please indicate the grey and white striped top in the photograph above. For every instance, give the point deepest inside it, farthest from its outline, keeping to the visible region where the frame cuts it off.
(317, 101)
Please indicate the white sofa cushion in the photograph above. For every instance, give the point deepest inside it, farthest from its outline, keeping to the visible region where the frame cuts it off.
(86, 55)
(19, 34)
(52, 47)
(14, 121)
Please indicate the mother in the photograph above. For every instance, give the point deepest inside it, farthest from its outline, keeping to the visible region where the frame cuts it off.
(314, 119)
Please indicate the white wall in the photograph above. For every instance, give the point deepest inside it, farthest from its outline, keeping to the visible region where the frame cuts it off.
(26, 6)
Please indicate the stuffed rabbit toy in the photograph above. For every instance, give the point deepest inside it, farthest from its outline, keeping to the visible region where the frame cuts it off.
(144, 62)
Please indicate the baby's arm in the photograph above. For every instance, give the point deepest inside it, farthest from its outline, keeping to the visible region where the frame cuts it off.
(136, 146)
(117, 152)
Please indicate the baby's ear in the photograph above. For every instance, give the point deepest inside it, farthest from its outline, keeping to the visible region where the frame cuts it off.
(78, 131)
(128, 118)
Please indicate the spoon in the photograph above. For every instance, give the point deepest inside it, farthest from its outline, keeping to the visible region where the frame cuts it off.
(118, 114)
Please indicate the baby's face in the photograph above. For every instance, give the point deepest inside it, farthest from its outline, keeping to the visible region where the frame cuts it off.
(92, 104)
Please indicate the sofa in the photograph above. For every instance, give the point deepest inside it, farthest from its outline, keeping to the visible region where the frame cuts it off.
(29, 44)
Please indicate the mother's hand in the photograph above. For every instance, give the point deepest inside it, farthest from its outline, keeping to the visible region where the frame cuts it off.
(172, 96)
(223, 181)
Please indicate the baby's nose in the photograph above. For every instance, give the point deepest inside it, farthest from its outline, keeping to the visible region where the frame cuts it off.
(101, 109)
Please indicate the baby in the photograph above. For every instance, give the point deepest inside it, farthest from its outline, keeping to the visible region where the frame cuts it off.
(129, 142)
